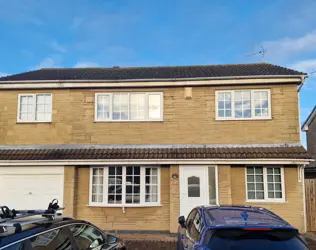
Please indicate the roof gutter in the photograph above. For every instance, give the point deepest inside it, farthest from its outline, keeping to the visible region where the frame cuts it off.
(157, 80)
(302, 83)
(152, 162)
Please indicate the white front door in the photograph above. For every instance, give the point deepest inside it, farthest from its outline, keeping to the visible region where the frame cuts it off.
(194, 188)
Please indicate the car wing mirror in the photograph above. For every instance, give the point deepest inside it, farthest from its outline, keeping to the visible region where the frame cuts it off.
(111, 239)
(181, 221)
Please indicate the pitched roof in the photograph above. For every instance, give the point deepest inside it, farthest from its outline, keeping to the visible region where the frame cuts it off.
(154, 73)
(154, 152)
(309, 119)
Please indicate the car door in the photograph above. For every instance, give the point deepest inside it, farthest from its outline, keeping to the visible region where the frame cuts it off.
(88, 237)
(194, 234)
(186, 238)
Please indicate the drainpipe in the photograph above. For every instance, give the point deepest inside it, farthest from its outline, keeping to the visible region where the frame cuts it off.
(304, 199)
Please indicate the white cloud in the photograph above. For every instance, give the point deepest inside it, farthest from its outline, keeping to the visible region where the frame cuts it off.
(289, 47)
(86, 65)
(48, 62)
(3, 74)
(306, 66)
(58, 47)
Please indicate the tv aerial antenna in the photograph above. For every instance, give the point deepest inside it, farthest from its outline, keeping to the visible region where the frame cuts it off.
(261, 52)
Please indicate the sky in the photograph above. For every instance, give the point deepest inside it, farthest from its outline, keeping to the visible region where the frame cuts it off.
(87, 33)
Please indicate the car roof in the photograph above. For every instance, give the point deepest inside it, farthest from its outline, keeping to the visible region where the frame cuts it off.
(38, 228)
(242, 217)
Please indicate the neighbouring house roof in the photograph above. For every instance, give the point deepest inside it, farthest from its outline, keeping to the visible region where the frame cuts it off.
(153, 152)
(154, 73)
(309, 119)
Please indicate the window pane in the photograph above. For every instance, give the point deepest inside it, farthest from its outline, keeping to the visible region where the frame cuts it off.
(250, 178)
(259, 178)
(132, 185)
(277, 178)
(212, 185)
(97, 184)
(259, 186)
(120, 106)
(255, 186)
(250, 170)
(154, 106)
(251, 195)
(270, 178)
(270, 187)
(43, 107)
(224, 104)
(26, 108)
(137, 106)
(193, 186)
(274, 183)
(87, 237)
(277, 187)
(151, 185)
(55, 239)
(115, 180)
(261, 103)
(242, 104)
(251, 186)
(259, 195)
(103, 107)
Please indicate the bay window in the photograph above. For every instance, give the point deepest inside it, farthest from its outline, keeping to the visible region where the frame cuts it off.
(243, 104)
(133, 106)
(125, 186)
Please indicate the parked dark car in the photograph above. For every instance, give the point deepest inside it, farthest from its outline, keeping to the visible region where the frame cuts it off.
(49, 230)
(237, 228)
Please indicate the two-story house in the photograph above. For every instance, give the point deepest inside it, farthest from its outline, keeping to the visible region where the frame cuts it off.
(134, 148)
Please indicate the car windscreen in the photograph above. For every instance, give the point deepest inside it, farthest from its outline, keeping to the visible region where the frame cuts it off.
(238, 239)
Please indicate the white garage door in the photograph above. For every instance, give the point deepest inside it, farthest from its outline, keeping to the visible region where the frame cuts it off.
(31, 187)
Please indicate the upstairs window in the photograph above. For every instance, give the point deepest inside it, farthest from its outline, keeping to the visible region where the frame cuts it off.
(34, 108)
(243, 104)
(129, 106)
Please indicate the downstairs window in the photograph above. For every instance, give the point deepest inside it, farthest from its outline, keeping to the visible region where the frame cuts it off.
(125, 185)
(265, 184)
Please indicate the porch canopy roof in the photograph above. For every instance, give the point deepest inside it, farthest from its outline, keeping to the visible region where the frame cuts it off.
(154, 154)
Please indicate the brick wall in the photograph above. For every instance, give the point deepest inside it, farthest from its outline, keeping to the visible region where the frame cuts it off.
(232, 191)
(292, 210)
(174, 199)
(185, 120)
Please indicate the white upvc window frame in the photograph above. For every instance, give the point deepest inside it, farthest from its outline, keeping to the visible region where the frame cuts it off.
(265, 186)
(252, 103)
(142, 203)
(34, 119)
(146, 119)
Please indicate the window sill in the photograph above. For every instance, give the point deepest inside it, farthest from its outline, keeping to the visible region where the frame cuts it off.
(267, 201)
(126, 205)
(118, 121)
(243, 119)
(21, 122)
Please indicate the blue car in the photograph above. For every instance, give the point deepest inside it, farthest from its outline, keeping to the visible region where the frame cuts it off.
(237, 228)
